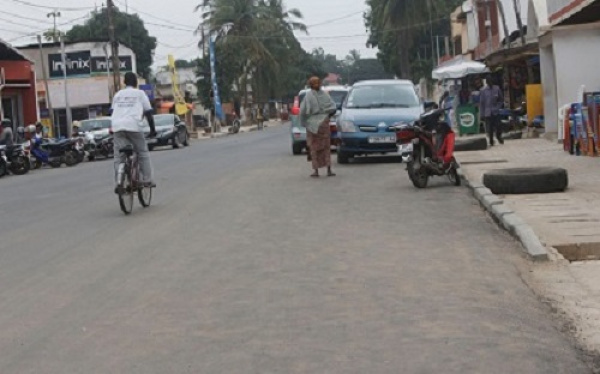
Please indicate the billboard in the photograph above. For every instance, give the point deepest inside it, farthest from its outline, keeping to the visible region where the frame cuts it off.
(82, 64)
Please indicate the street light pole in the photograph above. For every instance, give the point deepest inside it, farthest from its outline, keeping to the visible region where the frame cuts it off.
(45, 77)
(67, 105)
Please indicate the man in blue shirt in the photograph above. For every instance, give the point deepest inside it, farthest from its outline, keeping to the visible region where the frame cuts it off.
(491, 101)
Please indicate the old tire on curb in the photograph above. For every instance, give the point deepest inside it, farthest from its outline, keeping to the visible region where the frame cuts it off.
(476, 144)
(526, 180)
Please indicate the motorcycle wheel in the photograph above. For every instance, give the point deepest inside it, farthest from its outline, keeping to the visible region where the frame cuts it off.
(453, 175)
(71, 159)
(418, 175)
(20, 166)
(56, 163)
(3, 169)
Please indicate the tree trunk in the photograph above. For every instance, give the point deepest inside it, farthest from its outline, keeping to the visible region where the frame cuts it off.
(404, 56)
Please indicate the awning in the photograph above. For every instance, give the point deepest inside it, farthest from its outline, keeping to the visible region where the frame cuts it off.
(459, 70)
(503, 56)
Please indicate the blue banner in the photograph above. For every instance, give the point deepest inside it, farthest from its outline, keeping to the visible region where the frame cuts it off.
(148, 89)
(213, 77)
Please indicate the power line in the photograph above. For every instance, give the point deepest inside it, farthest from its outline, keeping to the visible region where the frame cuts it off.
(148, 14)
(336, 19)
(66, 9)
(39, 20)
(24, 35)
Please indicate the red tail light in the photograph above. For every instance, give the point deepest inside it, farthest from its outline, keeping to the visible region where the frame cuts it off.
(110, 130)
(405, 135)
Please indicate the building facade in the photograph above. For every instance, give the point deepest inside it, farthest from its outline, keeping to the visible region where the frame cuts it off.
(17, 87)
(89, 84)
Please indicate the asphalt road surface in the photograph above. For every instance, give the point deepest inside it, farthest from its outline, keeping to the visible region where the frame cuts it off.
(244, 264)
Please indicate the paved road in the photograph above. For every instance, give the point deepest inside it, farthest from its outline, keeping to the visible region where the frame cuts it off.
(246, 265)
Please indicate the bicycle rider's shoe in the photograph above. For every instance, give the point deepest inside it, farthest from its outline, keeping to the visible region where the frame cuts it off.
(117, 189)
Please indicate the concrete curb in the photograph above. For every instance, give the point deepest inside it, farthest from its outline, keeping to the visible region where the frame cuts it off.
(507, 219)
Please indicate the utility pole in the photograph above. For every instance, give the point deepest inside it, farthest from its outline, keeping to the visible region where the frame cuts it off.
(488, 25)
(45, 77)
(54, 15)
(116, 64)
(67, 105)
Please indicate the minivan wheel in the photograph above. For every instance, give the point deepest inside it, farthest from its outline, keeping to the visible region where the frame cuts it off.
(343, 157)
(296, 149)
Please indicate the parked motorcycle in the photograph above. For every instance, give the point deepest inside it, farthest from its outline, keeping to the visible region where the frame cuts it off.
(105, 146)
(54, 153)
(514, 120)
(427, 146)
(13, 160)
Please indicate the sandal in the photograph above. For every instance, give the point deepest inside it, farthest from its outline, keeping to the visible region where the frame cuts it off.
(315, 175)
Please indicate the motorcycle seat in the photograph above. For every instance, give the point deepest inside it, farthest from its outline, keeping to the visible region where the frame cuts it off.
(127, 150)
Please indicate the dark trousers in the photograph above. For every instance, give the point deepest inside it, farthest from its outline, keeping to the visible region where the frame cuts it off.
(494, 126)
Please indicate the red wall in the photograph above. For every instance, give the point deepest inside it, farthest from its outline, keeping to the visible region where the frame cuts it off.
(22, 72)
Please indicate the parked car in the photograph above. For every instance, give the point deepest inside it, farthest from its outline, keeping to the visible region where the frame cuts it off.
(170, 129)
(369, 112)
(298, 133)
(97, 133)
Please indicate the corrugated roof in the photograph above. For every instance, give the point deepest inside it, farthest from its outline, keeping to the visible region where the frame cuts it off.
(8, 52)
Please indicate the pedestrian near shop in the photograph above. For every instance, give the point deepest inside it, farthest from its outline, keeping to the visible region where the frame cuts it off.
(491, 101)
(315, 113)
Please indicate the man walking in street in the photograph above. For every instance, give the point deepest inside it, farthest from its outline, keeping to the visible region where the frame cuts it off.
(490, 102)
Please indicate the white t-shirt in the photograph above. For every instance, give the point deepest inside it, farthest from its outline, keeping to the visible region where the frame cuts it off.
(129, 106)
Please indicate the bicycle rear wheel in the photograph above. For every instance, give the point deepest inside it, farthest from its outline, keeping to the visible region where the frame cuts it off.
(126, 190)
(145, 196)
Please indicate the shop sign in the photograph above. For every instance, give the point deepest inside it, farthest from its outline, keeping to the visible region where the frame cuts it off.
(81, 64)
(78, 64)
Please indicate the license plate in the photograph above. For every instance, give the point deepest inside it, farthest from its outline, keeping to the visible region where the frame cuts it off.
(405, 148)
(382, 139)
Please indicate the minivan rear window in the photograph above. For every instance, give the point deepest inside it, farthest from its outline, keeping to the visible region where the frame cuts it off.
(336, 95)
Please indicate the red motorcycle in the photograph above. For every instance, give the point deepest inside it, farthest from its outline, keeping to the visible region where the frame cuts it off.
(427, 146)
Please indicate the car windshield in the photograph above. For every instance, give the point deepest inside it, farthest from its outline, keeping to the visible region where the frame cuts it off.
(162, 120)
(382, 96)
(94, 124)
(338, 96)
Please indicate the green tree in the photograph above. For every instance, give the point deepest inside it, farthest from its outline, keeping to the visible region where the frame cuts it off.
(398, 29)
(255, 39)
(128, 27)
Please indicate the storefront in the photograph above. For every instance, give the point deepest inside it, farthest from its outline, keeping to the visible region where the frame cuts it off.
(17, 87)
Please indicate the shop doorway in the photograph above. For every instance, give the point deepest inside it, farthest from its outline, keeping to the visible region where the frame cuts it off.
(11, 110)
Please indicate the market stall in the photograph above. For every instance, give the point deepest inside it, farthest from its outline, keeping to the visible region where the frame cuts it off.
(464, 100)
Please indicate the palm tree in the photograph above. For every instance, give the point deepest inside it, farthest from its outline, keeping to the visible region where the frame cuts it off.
(251, 29)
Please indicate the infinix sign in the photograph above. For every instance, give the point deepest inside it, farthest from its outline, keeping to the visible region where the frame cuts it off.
(78, 64)
(81, 64)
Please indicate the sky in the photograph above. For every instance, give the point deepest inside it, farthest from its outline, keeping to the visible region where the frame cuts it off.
(335, 25)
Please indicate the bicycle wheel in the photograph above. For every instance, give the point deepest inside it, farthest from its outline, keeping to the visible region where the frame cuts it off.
(126, 190)
(145, 196)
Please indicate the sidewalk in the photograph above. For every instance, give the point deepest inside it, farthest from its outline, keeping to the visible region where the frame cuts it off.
(559, 219)
(569, 221)
(225, 130)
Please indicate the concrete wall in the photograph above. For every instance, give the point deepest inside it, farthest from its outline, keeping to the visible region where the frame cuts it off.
(548, 71)
(575, 54)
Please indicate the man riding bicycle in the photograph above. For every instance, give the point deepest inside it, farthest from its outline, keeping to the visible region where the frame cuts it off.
(129, 107)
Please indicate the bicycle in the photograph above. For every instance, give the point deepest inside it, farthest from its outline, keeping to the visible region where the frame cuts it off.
(129, 183)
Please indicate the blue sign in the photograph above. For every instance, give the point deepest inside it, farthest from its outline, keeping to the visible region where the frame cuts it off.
(148, 89)
(213, 77)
